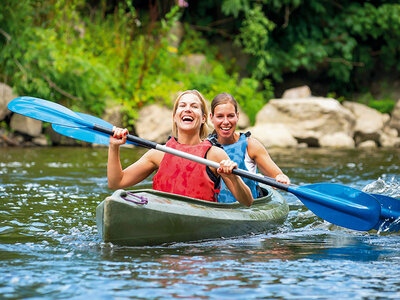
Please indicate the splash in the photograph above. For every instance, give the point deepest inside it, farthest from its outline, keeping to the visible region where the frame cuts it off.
(389, 188)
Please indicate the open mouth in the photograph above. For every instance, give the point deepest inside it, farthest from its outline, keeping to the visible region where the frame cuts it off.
(187, 119)
(225, 128)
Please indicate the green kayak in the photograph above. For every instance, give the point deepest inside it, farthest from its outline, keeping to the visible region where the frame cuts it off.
(149, 217)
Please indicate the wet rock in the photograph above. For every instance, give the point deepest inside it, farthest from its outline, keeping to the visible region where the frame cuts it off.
(309, 119)
(6, 95)
(25, 125)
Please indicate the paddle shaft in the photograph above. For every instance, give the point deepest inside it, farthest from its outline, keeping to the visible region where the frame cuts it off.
(153, 145)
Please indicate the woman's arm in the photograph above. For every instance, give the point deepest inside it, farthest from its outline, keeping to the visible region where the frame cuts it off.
(135, 173)
(264, 162)
(234, 183)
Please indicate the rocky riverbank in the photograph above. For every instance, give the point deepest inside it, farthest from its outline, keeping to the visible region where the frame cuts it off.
(296, 120)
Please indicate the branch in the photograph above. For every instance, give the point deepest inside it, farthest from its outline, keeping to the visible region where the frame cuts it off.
(287, 14)
(61, 91)
(8, 37)
(346, 62)
(207, 28)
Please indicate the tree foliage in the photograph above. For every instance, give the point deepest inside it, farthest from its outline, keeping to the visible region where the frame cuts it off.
(342, 41)
(112, 54)
(93, 54)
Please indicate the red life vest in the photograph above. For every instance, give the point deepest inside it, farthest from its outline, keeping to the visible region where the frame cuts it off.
(185, 177)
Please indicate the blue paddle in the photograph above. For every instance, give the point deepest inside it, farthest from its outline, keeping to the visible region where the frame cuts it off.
(337, 204)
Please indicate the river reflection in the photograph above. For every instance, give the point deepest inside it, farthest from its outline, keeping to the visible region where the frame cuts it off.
(49, 247)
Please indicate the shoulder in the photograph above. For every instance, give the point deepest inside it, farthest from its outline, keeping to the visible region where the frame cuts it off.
(154, 156)
(217, 154)
(254, 147)
(254, 143)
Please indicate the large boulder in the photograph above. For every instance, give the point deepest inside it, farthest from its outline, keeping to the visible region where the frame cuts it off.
(6, 95)
(154, 123)
(369, 122)
(25, 125)
(309, 119)
(273, 135)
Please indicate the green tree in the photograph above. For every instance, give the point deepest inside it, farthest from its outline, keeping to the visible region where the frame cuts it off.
(343, 41)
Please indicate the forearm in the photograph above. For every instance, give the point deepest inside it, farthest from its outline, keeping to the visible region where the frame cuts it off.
(271, 170)
(264, 162)
(114, 169)
(239, 189)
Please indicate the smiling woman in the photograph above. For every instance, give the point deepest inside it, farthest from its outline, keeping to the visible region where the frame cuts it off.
(175, 174)
(248, 152)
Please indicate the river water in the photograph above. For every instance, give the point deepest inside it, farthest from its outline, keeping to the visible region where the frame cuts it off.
(49, 247)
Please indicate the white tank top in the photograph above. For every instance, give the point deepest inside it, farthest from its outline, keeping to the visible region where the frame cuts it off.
(250, 163)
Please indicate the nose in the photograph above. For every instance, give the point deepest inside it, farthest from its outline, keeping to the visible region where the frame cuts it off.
(225, 120)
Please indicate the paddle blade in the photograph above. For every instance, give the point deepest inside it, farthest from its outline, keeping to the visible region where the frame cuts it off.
(86, 134)
(89, 135)
(340, 205)
(46, 111)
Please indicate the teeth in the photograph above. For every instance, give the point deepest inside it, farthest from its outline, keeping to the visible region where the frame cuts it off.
(187, 119)
(226, 128)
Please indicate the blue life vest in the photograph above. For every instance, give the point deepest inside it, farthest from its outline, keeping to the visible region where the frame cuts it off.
(237, 153)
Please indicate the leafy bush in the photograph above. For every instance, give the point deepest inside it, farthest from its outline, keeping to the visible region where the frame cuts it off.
(344, 41)
(84, 61)
(384, 106)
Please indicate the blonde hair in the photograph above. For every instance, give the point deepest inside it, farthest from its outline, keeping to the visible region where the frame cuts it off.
(204, 110)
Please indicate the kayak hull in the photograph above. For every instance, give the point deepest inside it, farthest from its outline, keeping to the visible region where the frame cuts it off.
(147, 217)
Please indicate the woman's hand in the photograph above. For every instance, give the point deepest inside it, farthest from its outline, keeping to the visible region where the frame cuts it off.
(119, 136)
(226, 166)
(282, 178)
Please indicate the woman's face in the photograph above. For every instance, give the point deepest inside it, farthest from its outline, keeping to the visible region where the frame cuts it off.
(188, 114)
(225, 120)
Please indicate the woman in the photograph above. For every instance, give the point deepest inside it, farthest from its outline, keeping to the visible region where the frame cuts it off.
(246, 151)
(175, 174)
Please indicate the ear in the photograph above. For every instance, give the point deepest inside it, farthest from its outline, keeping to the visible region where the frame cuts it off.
(237, 114)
